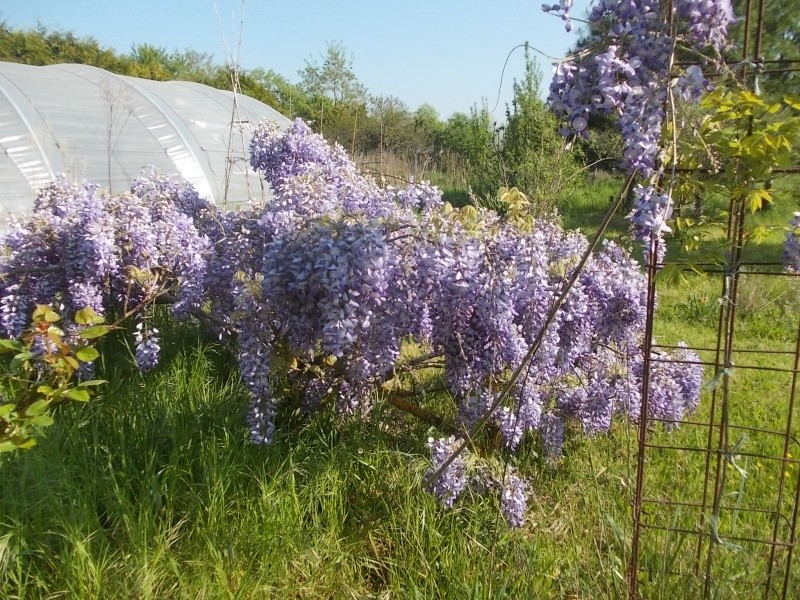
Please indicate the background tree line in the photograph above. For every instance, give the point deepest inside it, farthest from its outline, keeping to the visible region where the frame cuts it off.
(464, 151)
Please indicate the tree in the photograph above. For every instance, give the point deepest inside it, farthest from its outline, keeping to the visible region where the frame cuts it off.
(527, 152)
(426, 132)
(150, 61)
(292, 98)
(191, 64)
(335, 91)
(533, 156)
(40, 46)
(391, 118)
(473, 139)
(427, 122)
(333, 77)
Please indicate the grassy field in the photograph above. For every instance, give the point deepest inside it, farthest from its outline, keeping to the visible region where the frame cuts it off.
(152, 490)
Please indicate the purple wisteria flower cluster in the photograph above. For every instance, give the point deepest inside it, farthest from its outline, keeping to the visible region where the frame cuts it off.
(325, 282)
(453, 480)
(334, 282)
(630, 77)
(651, 211)
(84, 248)
(707, 22)
(352, 276)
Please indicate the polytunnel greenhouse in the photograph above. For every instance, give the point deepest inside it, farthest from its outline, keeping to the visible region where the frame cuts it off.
(105, 128)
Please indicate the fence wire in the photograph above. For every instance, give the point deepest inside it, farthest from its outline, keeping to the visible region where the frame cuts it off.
(691, 534)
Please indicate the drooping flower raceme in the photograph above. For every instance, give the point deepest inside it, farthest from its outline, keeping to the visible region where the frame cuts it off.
(453, 480)
(513, 500)
(147, 346)
(707, 22)
(649, 219)
(630, 78)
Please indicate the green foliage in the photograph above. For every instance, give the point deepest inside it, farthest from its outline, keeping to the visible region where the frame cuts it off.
(780, 40)
(750, 137)
(42, 46)
(38, 371)
(603, 150)
(526, 153)
(288, 95)
(472, 138)
(735, 150)
(533, 154)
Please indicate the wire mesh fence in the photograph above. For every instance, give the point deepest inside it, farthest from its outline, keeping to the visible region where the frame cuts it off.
(731, 487)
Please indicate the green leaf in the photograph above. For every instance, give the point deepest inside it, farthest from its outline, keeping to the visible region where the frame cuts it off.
(55, 333)
(756, 199)
(23, 356)
(96, 331)
(42, 421)
(92, 382)
(29, 443)
(5, 409)
(51, 316)
(760, 234)
(78, 394)
(671, 274)
(714, 383)
(793, 101)
(88, 316)
(40, 311)
(37, 408)
(7, 446)
(87, 354)
(44, 389)
(10, 345)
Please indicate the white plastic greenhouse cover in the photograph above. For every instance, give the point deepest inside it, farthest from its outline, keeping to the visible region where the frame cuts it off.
(107, 129)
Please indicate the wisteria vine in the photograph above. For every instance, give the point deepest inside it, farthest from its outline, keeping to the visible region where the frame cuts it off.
(629, 75)
(325, 283)
(356, 270)
(115, 254)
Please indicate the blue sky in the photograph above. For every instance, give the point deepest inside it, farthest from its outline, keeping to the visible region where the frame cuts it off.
(444, 52)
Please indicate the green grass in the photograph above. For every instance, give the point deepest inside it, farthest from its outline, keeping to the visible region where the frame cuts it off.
(584, 206)
(153, 491)
(769, 309)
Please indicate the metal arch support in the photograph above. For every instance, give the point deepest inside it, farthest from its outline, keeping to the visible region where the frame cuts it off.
(32, 163)
(184, 156)
(189, 163)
